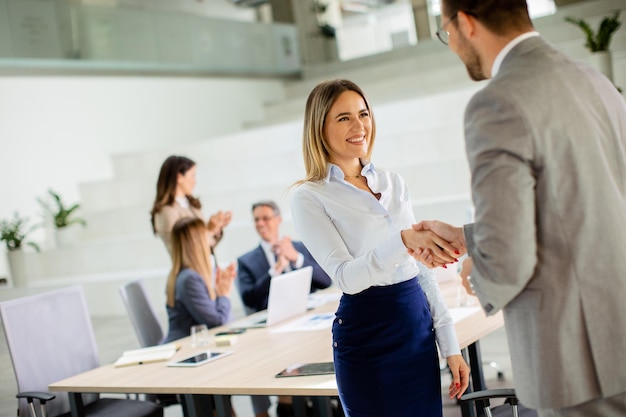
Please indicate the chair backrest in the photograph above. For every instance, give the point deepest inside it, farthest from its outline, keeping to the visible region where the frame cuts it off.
(50, 337)
(142, 314)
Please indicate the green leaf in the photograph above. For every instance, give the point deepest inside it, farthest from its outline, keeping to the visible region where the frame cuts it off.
(60, 215)
(14, 232)
(601, 40)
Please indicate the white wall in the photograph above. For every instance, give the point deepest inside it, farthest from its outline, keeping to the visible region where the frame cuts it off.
(61, 131)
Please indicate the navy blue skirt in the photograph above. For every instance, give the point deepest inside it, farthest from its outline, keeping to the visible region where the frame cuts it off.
(386, 360)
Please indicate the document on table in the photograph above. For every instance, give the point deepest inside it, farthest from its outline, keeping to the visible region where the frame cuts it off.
(317, 299)
(459, 313)
(307, 323)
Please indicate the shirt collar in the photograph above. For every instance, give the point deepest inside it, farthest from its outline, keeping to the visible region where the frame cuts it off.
(267, 246)
(505, 51)
(182, 201)
(335, 172)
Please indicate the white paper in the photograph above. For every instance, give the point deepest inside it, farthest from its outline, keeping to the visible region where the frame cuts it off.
(459, 313)
(307, 323)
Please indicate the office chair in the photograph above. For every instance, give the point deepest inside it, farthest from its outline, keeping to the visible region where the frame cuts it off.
(511, 405)
(50, 337)
(141, 313)
(147, 327)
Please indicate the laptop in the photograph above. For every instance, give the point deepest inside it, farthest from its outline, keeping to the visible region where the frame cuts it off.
(288, 297)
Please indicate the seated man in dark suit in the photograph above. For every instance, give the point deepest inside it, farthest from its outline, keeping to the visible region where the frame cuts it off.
(275, 255)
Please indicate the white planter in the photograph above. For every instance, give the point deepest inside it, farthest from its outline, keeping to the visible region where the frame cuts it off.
(50, 237)
(18, 268)
(67, 237)
(603, 62)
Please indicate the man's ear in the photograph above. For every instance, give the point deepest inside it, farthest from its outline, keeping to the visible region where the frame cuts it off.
(467, 24)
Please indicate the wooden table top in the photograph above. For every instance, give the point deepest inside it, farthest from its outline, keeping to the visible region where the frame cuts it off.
(259, 355)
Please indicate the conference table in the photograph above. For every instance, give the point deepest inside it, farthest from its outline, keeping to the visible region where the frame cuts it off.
(258, 355)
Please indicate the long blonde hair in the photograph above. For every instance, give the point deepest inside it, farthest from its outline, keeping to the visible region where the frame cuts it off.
(314, 143)
(190, 249)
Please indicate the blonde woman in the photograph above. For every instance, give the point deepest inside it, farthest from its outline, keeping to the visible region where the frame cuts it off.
(356, 220)
(193, 296)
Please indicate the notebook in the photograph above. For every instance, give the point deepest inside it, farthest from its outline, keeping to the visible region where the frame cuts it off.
(288, 297)
(147, 355)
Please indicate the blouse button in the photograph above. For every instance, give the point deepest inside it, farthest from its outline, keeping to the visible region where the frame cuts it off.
(340, 321)
(335, 344)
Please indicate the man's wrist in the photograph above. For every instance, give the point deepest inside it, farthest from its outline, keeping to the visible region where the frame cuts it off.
(299, 262)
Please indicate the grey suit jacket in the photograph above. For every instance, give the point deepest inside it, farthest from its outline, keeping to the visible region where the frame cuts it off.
(546, 143)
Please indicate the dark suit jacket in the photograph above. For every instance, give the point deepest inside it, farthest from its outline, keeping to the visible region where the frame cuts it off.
(253, 278)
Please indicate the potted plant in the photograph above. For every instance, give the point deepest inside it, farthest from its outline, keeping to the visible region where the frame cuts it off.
(598, 42)
(62, 216)
(14, 234)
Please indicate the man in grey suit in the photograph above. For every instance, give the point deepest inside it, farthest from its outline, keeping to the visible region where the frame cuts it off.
(546, 144)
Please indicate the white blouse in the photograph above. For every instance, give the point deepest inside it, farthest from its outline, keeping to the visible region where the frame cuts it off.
(356, 238)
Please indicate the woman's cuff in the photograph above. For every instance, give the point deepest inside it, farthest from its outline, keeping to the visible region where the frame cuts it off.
(447, 341)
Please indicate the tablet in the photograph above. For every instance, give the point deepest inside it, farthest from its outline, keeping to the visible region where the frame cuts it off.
(320, 368)
(199, 358)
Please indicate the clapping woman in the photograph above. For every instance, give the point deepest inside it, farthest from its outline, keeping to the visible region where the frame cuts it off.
(174, 200)
(197, 293)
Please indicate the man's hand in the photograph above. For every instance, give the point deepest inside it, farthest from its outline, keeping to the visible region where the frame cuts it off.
(285, 248)
(453, 235)
(281, 264)
(466, 271)
(426, 240)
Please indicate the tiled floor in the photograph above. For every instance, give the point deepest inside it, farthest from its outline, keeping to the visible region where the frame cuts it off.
(115, 334)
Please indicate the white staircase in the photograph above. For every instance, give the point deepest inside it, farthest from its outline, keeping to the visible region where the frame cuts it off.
(419, 98)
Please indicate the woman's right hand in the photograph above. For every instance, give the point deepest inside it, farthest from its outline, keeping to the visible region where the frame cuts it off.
(419, 240)
(224, 280)
(218, 221)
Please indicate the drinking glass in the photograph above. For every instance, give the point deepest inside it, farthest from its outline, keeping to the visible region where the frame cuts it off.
(200, 335)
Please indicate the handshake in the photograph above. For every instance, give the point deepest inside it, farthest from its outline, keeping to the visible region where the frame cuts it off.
(434, 243)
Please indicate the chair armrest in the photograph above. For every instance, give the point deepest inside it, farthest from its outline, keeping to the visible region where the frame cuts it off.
(43, 397)
(40, 395)
(508, 393)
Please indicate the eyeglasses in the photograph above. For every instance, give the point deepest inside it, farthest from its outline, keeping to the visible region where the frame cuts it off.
(444, 35)
(264, 219)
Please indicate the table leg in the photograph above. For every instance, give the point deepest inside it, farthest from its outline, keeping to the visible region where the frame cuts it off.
(197, 405)
(299, 406)
(476, 363)
(76, 404)
(223, 406)
(322, 407)
(473, 357)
